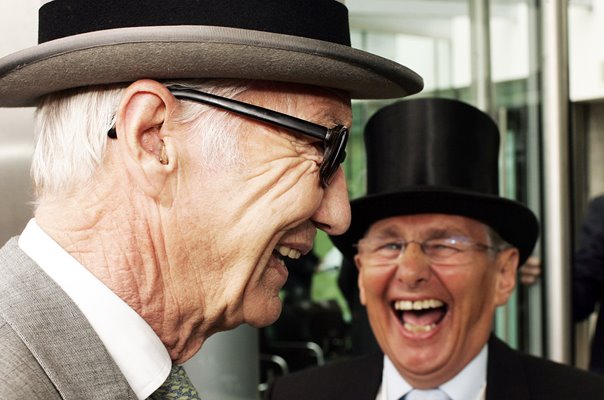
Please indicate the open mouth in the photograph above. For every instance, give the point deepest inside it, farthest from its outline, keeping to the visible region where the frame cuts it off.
(282, 252)
(420, 315)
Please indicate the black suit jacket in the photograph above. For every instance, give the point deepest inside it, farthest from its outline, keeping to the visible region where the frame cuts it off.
(588, 277)
(511, 375)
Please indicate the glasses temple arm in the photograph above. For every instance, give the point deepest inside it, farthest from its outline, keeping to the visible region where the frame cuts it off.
(250, 110)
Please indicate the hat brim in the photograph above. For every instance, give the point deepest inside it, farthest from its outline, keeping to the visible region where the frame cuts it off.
(182, 52)
(514, 222)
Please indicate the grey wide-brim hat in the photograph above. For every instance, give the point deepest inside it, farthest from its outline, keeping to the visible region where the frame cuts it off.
(85, 42)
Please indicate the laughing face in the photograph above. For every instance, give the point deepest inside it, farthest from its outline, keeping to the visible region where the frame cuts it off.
(432, 317)
(242, 222)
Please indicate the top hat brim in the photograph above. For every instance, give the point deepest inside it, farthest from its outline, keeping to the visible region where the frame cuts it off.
(189, 52)
(514, 222)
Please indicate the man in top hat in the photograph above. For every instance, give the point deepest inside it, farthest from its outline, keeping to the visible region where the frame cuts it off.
(184, 150)
(437, 251)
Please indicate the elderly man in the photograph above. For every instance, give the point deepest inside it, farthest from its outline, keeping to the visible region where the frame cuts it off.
(438, 251)
(183, 150)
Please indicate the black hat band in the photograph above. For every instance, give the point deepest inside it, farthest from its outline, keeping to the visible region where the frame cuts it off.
(325, 20)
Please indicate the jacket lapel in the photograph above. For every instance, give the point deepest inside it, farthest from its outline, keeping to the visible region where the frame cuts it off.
(56, 332)
(506, 378)
(367, 382)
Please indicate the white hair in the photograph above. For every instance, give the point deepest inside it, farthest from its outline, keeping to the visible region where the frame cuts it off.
(71, 133)
(496, 241)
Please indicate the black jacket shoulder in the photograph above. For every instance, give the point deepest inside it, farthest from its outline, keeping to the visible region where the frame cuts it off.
(355, 378)
(515, 375)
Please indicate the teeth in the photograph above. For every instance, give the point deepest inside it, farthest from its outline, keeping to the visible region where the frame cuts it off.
(419, 328)
(407, 305)
(288, 252)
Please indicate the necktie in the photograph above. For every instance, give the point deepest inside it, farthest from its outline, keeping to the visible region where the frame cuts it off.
(176, 387)
(432, 394)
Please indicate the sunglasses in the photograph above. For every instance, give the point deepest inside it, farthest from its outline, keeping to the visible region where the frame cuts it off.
(334, 139)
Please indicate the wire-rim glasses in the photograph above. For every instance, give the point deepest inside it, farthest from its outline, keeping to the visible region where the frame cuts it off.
(442, 251)
(334, 139)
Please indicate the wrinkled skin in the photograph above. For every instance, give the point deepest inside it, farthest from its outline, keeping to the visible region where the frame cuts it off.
(189, 247)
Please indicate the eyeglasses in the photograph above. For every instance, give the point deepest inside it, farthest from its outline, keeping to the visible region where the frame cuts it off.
(334, 139)
(442, 251)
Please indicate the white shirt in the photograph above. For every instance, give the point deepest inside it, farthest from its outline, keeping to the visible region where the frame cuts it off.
(136, 349)
(468, 384)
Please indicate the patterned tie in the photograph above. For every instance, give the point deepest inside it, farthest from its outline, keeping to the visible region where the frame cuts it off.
(432, 394)
(176, 387)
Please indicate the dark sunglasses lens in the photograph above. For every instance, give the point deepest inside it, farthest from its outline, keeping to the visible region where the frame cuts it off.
(335, 153)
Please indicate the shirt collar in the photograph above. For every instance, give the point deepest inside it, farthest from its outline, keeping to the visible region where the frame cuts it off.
(131, 342)
(469, 383)
(471, 380)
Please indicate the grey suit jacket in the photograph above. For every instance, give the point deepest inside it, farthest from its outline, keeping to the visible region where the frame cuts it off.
(48, 350)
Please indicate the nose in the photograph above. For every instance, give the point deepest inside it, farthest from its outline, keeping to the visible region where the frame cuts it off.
(413, 266)
(333, 214)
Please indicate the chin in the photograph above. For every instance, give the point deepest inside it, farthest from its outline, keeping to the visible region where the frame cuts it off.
(265, 315)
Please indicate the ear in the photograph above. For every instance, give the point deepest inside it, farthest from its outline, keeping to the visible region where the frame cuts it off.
(358, 263)
(145, 146)
(507, 266)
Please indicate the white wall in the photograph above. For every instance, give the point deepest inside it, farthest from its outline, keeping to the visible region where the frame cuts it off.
(18, 24)
(586, 31)
(18, 30)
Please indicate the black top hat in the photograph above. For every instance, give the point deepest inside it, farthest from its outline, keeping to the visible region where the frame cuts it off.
(88, 42)
(436, 156)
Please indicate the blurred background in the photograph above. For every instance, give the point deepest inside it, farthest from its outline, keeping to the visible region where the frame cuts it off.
(537, 67)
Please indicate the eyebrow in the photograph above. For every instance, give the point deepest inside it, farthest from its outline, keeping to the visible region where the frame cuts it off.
(431, 233)
(446, 232)
(388, 231)
(328, 117)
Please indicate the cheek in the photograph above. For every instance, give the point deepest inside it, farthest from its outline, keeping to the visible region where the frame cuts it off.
(473, 295)
(296, 202)
(261, 302)
(282, 181)
(373, 285)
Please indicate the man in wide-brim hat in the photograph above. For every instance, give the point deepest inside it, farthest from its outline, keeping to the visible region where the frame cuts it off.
(437, 250)
(184, 149)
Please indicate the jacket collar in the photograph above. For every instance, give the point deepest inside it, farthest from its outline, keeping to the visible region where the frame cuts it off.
(55, 331)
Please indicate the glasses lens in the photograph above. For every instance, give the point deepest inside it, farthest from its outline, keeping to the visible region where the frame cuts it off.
(440, 251)
(335, 153)
(381, 251)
